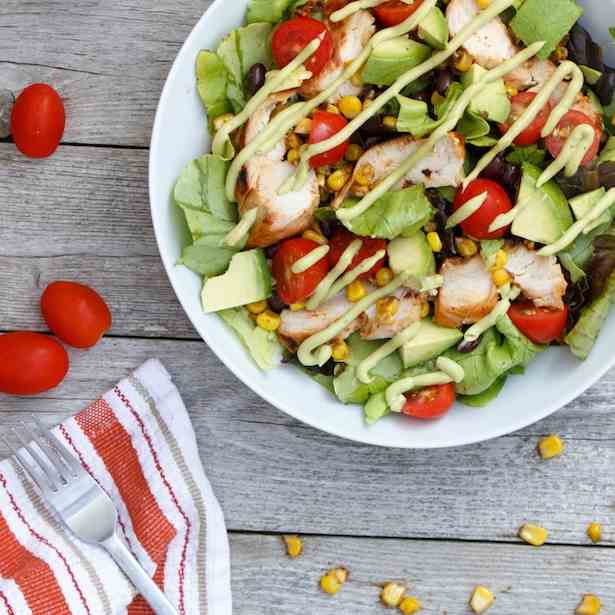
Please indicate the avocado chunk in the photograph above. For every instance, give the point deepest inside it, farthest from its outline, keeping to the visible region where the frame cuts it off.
(247, 280)
(431, 341)
(544, 213)
(581, 205)
(492, 102)
(592, 76)
(412, 254)
(434, 29)
(391, 59)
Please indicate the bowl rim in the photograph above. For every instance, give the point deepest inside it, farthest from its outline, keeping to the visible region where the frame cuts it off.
(266, 392)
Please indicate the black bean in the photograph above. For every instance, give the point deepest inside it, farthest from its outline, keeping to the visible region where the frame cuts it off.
(443, 80)
(271, 250)
(328, 227)
(255, 78)
(505, 173)
(276, 304)
(328, 368)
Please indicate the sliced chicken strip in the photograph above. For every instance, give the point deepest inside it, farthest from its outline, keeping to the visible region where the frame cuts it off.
(468, 293)
(350, 37)
(443, 167)
(539, 277)
(491, 45)
(409, 312)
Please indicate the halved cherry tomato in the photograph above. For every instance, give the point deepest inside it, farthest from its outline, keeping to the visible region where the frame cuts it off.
(296, 287)
(292, 37)
(37, 121)
(540, 325)
(431, 402)
(77, 314)
(343, 238)
(324, 126)
(557, 139)
(30, 363)
(531, 134)
(394, 12)
(498, 202)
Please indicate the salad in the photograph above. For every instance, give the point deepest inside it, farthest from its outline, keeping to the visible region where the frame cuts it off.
(408, 199)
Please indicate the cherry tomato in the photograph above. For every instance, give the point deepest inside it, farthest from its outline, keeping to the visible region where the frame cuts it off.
(557, 139)
(540, 325)
(292, 37)
(296, 287)
(531, 134)
(37, 121)
(30, 363)
(431, 402)
(77, 314)
(394, 12)
(343, 238)
(324, 126)
(498, 202)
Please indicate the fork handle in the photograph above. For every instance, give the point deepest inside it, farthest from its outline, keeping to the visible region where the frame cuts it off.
(140, 579)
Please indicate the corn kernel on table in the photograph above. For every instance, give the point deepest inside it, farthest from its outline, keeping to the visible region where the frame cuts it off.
(441, 521)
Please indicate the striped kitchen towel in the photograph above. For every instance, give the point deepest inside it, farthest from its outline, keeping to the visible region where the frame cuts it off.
(138, 444)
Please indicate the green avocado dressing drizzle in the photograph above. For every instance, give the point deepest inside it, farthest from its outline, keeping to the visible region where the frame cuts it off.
(466, 210)
(349, 277)
(509, 294)
(310, 259)
(355, 7)
(242, 229)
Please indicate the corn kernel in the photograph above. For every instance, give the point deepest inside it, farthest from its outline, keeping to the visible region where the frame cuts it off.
(410, 605)
(340, 352)
(357, 79)
(512, 91)
(501, 259)
(350, 106)
(304, 127)
(221, 120)
(355, 291)
(392, 593)
(293, 156)
(533, 535)
(333, 580)
(484, 4)
(435, 243)
(425, 309)
(386, 309)
(481, 600)
(312, 235)
(594, 531)
(337, 180)
(464, 62)
(500, 277)
(364, 175)
(437, 98)
(294, 141)
(560, 54)
(257, 308)
(294, 546)
(384, 277)
(466, 247)
(333, 109)
(550, 447)
(390, 122)
(354, 152)
(296, 307)
(268, 320)
(590, 605)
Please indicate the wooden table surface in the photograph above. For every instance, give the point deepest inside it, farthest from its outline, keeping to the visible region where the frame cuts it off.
(441, 521)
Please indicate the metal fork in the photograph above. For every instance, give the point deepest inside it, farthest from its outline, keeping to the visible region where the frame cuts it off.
(82, 504)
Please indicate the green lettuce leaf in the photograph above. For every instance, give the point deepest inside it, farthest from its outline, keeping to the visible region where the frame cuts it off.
(269, 11)
(207, 256)
(532, 154)
(401, 213)
(501, 349)
(486, 397)
(212, 81)
(488, 249)
(262, 345)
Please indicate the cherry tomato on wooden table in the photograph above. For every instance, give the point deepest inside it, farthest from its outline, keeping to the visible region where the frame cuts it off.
(296, 287)
(557, 139)
(324, 126)
(497, 202)
(431, 402)
(343, 238)
(395, 12)
(30, 363)
(540, 325)
(38, 120)
(531, 134)
(77, 314)
(292, 37)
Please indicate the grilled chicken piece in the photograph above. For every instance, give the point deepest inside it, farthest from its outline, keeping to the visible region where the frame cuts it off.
(539, 277)
(443, 167)
(468, 293)
(491, 45)
(409, 312)
(350, 37)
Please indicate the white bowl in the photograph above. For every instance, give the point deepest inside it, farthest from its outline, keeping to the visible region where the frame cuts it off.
(180, 134)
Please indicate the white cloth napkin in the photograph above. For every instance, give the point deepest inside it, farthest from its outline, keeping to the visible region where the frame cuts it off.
(138, 443)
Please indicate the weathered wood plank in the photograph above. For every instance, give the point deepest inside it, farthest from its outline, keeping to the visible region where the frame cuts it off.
(107, 59)
(274, 474)
(442, 575)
